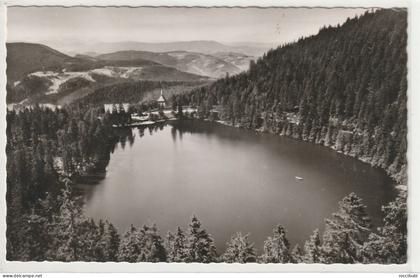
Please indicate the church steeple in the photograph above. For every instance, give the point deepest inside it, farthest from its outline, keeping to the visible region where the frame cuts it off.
(161, 100)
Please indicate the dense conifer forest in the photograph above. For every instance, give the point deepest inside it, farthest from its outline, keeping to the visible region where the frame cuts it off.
(135, 92)
(345, 88)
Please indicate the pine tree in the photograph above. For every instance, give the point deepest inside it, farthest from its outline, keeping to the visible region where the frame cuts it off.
(113, 242)
(130, 246)
(39, 241)
(239, 250)
(144, 245)
(108, 243)
(152, 248)
(395, 228)
(346, 232)
(389, 245)
(180, 112)
(87, 234)
(276, 247)
(200, 244)
(176, 246)
(65, 227)
(169, 246)
(313, 249)
(296, 256)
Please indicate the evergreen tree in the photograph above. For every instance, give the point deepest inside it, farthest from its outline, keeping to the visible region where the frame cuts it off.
(152, 248)
(130, 246)
(113, 241)
(176, 246)
(296, 256)
(389, 245)
(346, 232)
(87, 234)
(108, 243)
(239, 250)
(144, 245)
(169, 246)
(180, 112)
(313, 249)
(276, 247)
(200, 244)
(64, 228)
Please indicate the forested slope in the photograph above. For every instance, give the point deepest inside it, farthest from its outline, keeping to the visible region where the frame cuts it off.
(345, 88)
(49, 151)
(136, 91)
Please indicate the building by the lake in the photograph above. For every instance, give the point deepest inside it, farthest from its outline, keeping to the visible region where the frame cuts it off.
(161, 100)
(18, 107)
(109, 107)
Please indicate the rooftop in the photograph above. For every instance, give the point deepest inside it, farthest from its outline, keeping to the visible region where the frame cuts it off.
(161, 98)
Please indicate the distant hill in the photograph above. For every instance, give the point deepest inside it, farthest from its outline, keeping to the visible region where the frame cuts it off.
(35, 72)
(86, 57)
(24, 58)
(192, 62)
(202, 46)
(203, 64)
(162, 58)
(239, 60)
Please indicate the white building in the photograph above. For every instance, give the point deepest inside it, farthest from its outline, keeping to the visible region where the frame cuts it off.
(161, 100)
(110, 107)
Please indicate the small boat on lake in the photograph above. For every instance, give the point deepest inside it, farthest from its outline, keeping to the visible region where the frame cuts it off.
(298, 178)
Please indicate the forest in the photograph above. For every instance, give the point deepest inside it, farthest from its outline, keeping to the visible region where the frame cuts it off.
(344, 88)
(47, 151)
(135, 92)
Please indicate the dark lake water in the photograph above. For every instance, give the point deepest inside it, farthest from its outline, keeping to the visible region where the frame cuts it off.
(233, 180)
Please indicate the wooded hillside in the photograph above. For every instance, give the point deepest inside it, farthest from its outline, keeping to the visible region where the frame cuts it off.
(345, 88)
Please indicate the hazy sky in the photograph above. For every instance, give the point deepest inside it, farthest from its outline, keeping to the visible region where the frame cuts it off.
(227, 25)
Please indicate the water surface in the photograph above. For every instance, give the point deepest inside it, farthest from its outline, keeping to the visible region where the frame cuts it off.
(233, 180)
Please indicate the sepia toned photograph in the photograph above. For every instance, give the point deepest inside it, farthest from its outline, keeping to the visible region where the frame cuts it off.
(265, 135)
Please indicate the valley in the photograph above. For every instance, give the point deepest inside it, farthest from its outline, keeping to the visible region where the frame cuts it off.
(40, 74)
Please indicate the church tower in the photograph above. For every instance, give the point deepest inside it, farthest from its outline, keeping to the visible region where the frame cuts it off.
(161, 100)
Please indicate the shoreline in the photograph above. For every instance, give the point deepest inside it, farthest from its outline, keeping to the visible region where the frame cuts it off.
(397, 185)
(400, 187)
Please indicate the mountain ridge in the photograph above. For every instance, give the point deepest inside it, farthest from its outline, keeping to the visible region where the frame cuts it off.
(201, 46)
(192, 62)
(35, 71)
(344, 88)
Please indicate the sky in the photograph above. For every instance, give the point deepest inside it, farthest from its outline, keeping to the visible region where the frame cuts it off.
(272, 26)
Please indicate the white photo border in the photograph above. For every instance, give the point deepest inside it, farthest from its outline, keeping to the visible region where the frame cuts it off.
(413, 263)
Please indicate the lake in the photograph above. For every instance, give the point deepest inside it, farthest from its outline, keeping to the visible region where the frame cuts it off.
(232, 179)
